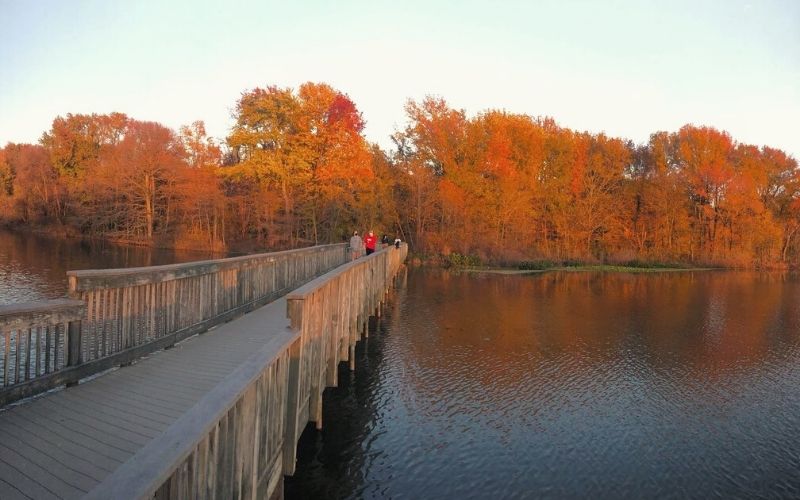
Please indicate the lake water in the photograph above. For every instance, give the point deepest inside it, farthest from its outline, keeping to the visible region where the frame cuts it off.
(568, 385)
(34, 267)
(554, 385)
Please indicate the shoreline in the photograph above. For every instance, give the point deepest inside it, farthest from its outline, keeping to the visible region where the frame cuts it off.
(588, 268)
(67, 234)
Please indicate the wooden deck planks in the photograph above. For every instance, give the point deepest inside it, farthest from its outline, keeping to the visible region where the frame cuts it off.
(9, 492)
(159, 397)
(73, 444)
(124, 408)
(76, 425)
(63, 444)
(28, 486)
(101, 424)
(96, 468)
(126, 431)
(102, 435)
(43, 469)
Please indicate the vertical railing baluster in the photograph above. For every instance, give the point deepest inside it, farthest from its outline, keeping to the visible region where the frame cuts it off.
(38, 366)
(151, 309)
(126, 310)
(28, 354)
(135, 316)
(112, 317)
(6, 356)
(73, 345)
(162, 307)
(59, 353)
(172, 306)
(17, 352)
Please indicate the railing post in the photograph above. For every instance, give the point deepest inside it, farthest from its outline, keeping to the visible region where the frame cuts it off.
(73, 346)
(294, 310)
(290, 431)
(74, 329)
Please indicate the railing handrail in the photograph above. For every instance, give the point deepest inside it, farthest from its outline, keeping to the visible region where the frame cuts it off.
(161, 460)
(23, 314)
(157, 460)
(312, 286)
(88, 279)
(120, 315)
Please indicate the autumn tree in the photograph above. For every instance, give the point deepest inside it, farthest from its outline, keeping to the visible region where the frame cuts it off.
(379, 204)
(656, 223)
(296, 169)
(704, 156)
(201, 203)
(430, 146)
(339, 160)
(597, 189)
(779, 191)
(150, 156)
(76, 144)
(309, 149)
(269, 147)
(135, 183)
(30, 184)
(7, 175)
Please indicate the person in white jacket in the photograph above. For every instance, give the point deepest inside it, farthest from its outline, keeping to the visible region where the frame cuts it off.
(356, 246)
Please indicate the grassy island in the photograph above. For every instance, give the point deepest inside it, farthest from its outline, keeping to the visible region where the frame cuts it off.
(474, 265)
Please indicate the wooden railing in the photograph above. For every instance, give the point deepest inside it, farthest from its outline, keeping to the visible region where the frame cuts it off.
(35, 339)
(330, 312)
(128, 313)
(241, 438)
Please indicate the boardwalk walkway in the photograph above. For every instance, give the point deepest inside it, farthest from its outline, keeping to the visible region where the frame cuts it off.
(217, 415)
(65, 443)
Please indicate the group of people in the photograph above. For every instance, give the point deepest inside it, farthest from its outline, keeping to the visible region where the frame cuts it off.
(369, 243)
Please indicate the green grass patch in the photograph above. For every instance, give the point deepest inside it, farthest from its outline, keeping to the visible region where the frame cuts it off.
(474, 263)
(626, 269)
(462, 261)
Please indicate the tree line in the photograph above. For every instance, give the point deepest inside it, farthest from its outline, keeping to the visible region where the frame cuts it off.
(297, 170)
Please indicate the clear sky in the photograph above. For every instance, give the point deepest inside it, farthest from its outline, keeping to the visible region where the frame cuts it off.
(625, 67)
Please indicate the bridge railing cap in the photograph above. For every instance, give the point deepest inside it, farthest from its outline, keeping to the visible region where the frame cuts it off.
(82, 280)
(55, 310)
(304, 291)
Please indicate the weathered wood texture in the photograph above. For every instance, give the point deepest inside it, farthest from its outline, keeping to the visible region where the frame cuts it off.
(66, 443)
(131, 307)
(241, 438)
(34, 338)
(132, 312)
(330, 313)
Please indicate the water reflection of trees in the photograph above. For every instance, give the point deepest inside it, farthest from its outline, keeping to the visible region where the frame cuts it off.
(559, 373)
(498, 329)
(34, 266)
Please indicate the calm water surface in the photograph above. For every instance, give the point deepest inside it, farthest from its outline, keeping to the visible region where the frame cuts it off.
(34, 267)
(568, 385)
(557, 385)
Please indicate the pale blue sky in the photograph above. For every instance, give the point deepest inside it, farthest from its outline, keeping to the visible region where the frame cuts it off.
(625, 67)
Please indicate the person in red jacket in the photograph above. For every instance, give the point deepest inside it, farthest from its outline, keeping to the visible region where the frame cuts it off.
(369, 241)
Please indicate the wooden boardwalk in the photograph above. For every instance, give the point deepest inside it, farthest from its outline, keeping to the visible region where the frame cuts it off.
(65, 443)
(217, 415)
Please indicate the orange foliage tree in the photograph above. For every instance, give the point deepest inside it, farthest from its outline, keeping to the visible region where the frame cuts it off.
(514, 187)
(296, 169)
(201, 202)
(307, 150)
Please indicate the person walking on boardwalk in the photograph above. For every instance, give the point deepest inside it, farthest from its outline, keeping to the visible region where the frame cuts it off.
(356, 245)
(369, 241)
